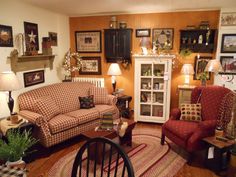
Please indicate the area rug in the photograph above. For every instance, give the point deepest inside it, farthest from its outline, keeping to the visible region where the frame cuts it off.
(148, 157)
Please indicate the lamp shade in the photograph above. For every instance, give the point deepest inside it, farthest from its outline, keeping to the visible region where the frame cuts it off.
(9, 81)
(114, 70)
(187, 69)
(214, 66)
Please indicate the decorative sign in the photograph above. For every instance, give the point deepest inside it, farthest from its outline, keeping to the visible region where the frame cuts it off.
(163, 38)
(6, 39)
(90, 66)
(88, 41)
(33, 78)
(31, 37)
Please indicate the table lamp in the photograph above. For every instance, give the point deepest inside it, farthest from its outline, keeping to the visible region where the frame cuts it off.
(214, 66)
(9, 82)
(187, 70)
(113, 71)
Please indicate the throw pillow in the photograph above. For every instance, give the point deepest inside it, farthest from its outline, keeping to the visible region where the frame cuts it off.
(86, 102)
(191, 112)
(100, 95)
(47, 107)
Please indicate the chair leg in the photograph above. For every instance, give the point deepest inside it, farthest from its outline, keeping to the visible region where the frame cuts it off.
(162, 139)
(190, 158)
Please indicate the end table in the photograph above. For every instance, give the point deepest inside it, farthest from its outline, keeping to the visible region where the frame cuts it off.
(220, 153)
(123, 105)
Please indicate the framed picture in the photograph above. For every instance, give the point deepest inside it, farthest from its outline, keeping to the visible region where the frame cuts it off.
(228, 19)
(90, 66)
(163, 37)
(33, 78)
(31, 36)
(88, 41)
(229, 64)
(199, 67)
(6, 39)
(53, 38)
(143, 32)
(228, 43)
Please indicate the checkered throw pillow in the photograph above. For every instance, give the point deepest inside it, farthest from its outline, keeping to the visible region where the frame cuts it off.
(47, 107)
(100, 95)
(86, 102)
(191, 112)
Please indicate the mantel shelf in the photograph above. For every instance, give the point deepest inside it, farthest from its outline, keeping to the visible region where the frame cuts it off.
(25, 63)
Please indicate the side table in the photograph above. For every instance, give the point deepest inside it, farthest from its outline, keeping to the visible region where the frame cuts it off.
(123, 105)
(6, 125)
(219, 152)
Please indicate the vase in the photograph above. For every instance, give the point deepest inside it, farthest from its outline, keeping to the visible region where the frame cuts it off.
(18, 163)
(203, 83)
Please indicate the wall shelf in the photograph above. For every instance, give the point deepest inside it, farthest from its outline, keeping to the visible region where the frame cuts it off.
(25, 63)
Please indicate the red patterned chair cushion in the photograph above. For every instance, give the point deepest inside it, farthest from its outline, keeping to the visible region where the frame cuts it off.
(100, 95)
(191, 112)
(61, 123)
(47, 107)
(182, 129)
(84, 115)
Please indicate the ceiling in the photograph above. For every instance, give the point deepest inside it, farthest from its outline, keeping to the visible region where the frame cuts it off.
(75, 8)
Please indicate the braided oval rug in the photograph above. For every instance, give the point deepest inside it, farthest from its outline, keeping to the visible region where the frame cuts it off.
(148, 157)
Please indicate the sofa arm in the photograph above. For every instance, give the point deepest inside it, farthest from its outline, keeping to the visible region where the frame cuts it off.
(175, 114)
(33, 117)
(112, 100)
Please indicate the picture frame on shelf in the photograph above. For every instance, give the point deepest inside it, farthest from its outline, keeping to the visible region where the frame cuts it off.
(6, 36)
(228, 43)
(90, 66)
(33, 78)
(88, 41)
(228, 19)
(163, 37)
(53, 38)
(228, 64)
(143, 32)
(199, 67)
(31, 37)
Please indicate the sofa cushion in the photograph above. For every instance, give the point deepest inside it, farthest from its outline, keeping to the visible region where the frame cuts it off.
(61, 123)
(102, 108)
(84, 115)
(191, 112)
(86, 102)
(47, 107)
(180, 128)
(100, 95)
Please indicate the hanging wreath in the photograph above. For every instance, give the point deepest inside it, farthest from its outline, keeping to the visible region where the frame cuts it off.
(67, 62)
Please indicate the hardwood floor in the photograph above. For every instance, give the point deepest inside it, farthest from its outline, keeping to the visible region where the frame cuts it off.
(40, 167)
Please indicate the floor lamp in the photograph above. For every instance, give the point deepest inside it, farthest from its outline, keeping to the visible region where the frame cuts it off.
(9, 82)
(113, 71)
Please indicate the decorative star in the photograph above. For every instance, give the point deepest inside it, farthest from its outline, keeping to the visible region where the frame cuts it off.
(32, 37)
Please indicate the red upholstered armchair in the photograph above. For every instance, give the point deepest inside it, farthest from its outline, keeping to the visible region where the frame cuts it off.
(188, 134)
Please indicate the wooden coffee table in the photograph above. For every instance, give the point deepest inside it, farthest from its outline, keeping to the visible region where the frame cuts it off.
(126, 139)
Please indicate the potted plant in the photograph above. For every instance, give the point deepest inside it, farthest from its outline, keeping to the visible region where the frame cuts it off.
(203, 77)
(16, 146)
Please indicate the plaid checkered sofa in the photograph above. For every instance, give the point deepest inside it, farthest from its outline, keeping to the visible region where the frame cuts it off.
(55, 110)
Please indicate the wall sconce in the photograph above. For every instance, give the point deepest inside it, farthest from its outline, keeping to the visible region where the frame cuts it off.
(187, 70)
(113, 71)
(145, 44)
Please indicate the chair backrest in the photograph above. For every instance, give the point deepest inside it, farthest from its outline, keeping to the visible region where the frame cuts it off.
(104, 157)
(210, 98)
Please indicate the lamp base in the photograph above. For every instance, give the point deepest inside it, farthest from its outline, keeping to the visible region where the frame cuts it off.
(10, 103)
(114, 86)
